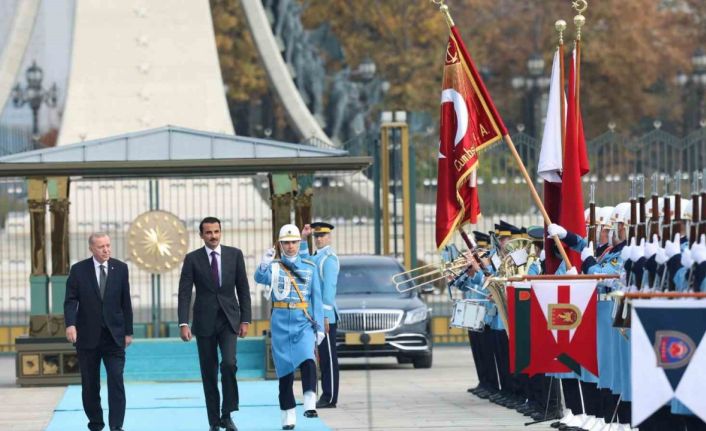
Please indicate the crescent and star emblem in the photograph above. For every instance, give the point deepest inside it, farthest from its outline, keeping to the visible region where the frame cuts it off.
(461, 110)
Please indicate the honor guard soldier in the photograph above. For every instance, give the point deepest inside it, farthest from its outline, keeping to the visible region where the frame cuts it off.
(328, 266)
(297, 320)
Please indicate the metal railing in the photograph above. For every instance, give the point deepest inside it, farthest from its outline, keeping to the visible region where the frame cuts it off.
(345, 199)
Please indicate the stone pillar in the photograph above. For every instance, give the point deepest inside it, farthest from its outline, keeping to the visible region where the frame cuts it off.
(303, 202)
(38, 280)
(58, 191)
(281, 192)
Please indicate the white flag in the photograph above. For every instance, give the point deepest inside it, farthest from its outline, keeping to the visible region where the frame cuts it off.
(550, 156)
(668, 355)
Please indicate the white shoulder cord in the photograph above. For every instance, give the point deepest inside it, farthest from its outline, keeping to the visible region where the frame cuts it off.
(283, 293)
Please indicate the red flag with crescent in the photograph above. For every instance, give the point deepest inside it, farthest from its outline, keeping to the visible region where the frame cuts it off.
(469, 123)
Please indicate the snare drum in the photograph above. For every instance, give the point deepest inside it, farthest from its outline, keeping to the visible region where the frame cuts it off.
(468, 314)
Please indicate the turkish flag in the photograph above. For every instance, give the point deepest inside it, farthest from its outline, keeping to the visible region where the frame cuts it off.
(468, 124)
(563, 326)
(575, 166)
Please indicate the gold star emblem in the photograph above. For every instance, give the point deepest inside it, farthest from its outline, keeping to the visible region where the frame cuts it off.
(157, 241)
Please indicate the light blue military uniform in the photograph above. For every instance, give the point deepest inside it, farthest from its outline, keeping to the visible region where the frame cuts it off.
(328, 266)
(293, 334)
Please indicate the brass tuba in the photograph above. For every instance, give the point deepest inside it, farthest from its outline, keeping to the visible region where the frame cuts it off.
(516, 256)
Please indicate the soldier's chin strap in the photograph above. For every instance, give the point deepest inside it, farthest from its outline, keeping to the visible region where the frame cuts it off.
(285, 255)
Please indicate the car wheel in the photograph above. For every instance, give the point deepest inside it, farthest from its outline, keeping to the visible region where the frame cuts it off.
(423, 362)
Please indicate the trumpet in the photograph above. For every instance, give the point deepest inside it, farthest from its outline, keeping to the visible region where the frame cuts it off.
(428, 274)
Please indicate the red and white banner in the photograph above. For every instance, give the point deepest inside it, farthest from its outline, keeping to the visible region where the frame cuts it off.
(563, 326)
(468, 124)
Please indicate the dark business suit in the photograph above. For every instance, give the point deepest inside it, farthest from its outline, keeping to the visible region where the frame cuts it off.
(217, 317)
(101, 327)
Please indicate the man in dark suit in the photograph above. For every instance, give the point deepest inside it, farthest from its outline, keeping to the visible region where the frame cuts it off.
(98, 317)
(219, 316)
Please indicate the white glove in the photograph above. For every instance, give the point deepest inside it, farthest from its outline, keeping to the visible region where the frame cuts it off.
(627, 250)
(637, 251)
(651, 247)
(572, 271)
(686, 260)
(671, 248)
(267, 291)
(267, 257)
(555, 229)
(320, 337)
(698, 252)
(661, 256)
(542, 256)
(587, 251)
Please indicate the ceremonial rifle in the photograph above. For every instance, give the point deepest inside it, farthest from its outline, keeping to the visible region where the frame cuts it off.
(666, 214)
(592, 229)
(677, 224)
(654, 219)
(642, 226)
(632, 229)
(695, 213)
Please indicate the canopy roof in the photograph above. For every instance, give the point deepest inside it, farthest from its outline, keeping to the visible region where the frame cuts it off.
(176, 151)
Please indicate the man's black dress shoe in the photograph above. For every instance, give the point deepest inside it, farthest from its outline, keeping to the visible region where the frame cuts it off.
(555, 424)
(287, 427)
(323, 404)
(227, 423)
(117, 429)
(311, 414)
(483, 395)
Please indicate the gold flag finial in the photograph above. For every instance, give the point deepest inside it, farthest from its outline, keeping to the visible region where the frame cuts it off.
(560, 26)
(445, 10)
(580, 7)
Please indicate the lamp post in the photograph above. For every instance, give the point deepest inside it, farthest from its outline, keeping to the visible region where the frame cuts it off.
(34, 95)
(534, 84)
(693, 86)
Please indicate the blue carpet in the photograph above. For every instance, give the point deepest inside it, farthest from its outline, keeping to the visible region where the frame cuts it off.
(181, 406)
(170, 359)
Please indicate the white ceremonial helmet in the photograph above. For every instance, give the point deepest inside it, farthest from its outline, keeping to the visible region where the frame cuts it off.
(289, 232)
(686, 210)
(621, 213)
(603, 216)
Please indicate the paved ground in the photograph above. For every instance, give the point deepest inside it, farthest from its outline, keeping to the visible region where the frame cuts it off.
(24, 409)
(388, 396)
(403, 398)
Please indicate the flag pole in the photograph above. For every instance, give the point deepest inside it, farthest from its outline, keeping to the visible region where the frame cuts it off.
(579, 21)
(560, 26)
(537, 199)
(533, 191)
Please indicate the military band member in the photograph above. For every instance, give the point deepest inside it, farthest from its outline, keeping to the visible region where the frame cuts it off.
(328, 266)
(297, 320)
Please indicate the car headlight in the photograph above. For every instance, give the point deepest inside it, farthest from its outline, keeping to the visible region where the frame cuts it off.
(415, 316)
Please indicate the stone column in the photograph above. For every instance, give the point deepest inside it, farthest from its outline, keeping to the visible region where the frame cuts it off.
(281, 188)
(38, 280)
(58, 191)
(303, 202)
